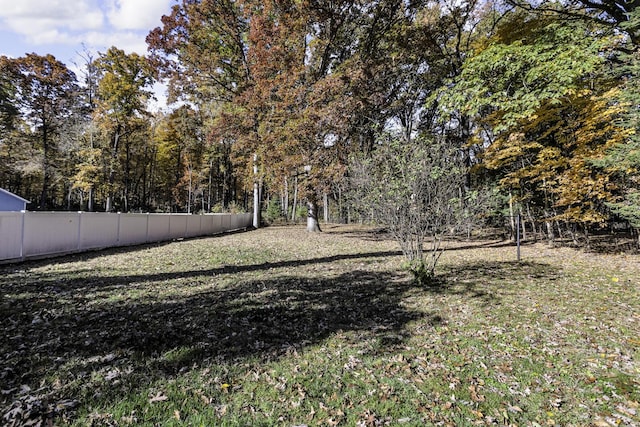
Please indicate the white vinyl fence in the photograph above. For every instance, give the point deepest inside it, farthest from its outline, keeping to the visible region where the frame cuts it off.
(26, 235)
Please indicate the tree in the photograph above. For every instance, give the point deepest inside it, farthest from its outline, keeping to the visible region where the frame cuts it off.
(190, 157)
(258, 67)
(87, 166)
(415, 49)
(614, 14)
(8, 110)
(621, 18)
(45, 94)
(546, 112)
(9, 121)
(122, 96)
(623, 157)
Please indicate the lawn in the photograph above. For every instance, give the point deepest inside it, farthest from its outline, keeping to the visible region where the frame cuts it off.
(282, 327)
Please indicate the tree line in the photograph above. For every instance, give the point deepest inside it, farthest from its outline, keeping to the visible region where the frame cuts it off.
(90, 142)
(425, 115)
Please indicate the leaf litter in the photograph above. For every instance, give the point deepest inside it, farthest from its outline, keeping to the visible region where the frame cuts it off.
(278, 326)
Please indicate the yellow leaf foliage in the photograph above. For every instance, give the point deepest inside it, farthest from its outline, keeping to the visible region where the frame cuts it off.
(551, 154)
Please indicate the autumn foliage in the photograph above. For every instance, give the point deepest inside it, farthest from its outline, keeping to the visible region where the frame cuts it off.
(538, 101)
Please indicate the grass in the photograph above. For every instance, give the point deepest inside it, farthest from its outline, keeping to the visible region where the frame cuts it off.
(281, 327)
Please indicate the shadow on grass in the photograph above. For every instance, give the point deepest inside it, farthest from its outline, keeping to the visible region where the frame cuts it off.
(450, 243)
(53, 329)
(486, 279)
(62, 283)
(58, 332)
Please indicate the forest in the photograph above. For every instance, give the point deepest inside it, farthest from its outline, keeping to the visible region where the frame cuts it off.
(466, 113)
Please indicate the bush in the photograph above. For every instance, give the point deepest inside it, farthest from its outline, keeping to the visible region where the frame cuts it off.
(274, 214)
(411, 187)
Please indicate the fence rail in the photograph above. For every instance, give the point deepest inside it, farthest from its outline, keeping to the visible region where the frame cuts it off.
(25, 235)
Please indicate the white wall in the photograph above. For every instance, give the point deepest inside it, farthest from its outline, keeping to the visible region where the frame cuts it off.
(26, 235)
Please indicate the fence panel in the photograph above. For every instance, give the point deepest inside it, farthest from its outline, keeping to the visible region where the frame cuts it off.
(217, 223)
(206, 224)
(39, 234)
(177, 226)
(46, 234)
(239, 221)
(226, 222)
(98, 230)
(132, 229)
(11, 235)
(194, 227)
(158, 227)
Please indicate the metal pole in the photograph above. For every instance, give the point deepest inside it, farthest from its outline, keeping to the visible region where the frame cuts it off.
(518, 235)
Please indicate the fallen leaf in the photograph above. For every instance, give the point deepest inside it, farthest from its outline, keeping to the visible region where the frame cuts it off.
(159, 397)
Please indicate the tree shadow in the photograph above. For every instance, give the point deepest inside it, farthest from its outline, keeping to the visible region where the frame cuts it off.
(54, 326)
(602, 243)
(465, 244)
(61, 283)
(58, 330)
(484, 280)
(450, 242)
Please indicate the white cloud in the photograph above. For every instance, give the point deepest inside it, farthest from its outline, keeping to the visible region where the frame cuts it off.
(51, 36)
(32, 18)
(94, 24)
(136, 14)
(129, 41)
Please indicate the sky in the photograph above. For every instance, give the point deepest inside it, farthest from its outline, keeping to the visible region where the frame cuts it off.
(67, 28)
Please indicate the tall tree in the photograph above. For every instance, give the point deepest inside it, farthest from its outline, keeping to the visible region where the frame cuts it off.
(254, 65)
(623, 159)
(9, 117)
(8, 91)
(123, 93)
(87, 167)
(547, 112)
(46, 90)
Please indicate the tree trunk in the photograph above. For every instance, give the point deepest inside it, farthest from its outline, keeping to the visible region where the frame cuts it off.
(45, 165)
(285, 199)
(325, 203)
(312, 216)
(112, 170)
(586, 235)
(127, 173)
(256, 204)
(551, 237)
(295, 200)
(512, 217)
(90, 200)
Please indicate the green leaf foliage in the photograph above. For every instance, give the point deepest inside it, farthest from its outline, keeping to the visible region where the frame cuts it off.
(532, 61)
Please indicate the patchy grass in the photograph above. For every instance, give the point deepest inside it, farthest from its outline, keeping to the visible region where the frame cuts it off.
(281, 327)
